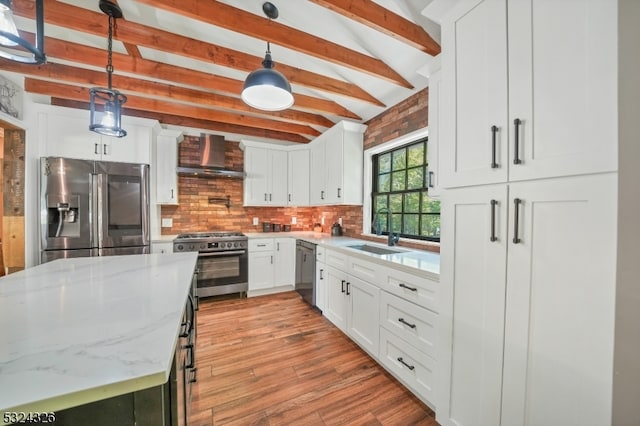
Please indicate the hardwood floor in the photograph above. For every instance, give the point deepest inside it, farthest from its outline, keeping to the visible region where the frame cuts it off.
(272, 360)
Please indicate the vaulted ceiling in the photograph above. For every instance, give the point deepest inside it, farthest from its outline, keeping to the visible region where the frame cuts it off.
(183, 62)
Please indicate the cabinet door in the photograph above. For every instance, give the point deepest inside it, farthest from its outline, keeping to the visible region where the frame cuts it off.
(474, 97)
(162, 248)
(334, 164)
(558, 357)
(317, 173)
(256, 181)
(473, 278)
(336, 306)
(298, 179)
(166, 177)
(133, 148)
(278, 178)
(563, 87)
(285, 262)
(433, 178)
(321, 286)
(261, 269)
(69, 136)
(363, 314)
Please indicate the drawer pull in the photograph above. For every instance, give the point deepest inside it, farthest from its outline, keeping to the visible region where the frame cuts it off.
(403, 285)
(348, 284)
(410, 367)
(494, 163)
(402, 320)
(343, 281)
(261, 245)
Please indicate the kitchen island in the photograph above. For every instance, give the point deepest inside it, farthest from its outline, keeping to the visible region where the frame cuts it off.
(80, 330)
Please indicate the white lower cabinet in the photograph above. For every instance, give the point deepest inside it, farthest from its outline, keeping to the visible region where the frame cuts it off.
(352, 306)
(163, 248)
(411, 366)
(530, 295)
(321, 279)
(271, 265)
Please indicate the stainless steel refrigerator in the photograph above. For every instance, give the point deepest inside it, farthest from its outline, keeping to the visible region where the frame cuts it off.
(92, 208)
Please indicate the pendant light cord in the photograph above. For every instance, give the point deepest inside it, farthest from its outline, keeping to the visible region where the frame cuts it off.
(109, 54)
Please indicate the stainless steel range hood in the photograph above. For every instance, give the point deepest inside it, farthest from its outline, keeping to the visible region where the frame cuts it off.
(211, 160)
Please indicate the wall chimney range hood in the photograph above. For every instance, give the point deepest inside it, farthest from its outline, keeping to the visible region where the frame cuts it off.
(211, 160)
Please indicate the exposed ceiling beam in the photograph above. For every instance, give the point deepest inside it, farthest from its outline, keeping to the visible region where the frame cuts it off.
(58, 13)
(79, 53)
(58, 72)
(375, 16)
(231, 18)
(78, 93)
(176, 120)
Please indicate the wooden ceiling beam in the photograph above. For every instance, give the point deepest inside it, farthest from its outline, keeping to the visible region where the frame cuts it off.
(58, 13)
(58, 72)
(79, 53)
(180, 121)
(234, 19)
(78, 93)
(377, 17)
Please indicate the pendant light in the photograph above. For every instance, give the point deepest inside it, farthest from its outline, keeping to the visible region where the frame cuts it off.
(266, 88)
(10, 39)
(108, 121)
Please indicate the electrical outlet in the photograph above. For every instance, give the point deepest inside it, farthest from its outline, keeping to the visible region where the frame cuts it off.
(255, 221)
(294, 220)
(322, 220)
(167, 222)
(340, 221)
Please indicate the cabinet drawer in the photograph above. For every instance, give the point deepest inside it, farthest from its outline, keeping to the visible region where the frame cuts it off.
(415, 369)
(336, 259)
(261, 244)
(364, 270)
(416, 289)
(412, 323)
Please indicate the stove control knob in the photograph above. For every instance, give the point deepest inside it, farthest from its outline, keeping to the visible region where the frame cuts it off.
(235, 244)
(192, 247)
(222, 245)
(241, 245)
(180, 247)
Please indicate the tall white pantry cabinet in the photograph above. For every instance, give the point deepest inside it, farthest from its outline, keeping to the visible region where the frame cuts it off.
(536, 130)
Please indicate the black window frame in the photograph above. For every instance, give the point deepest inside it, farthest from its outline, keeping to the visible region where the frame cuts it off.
(424, 188)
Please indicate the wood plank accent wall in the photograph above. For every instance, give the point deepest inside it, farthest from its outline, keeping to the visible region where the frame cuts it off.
(13, 175)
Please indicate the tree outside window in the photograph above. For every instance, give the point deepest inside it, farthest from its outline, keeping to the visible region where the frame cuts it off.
(400, 185)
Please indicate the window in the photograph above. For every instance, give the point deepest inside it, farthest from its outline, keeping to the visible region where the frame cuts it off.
(399, 187)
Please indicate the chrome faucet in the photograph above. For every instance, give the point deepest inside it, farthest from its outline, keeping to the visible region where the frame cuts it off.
(392, 239)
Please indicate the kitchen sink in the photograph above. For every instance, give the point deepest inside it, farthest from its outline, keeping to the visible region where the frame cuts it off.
(375, 249)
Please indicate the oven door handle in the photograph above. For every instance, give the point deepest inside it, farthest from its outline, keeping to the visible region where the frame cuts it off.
(222, 253)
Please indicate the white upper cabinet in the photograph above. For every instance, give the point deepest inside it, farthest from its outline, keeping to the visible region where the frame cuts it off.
(298, 178)
(64, 132)
(265, 183)
(433, 155)
(337, 165)
(523, 97)
(166, 161)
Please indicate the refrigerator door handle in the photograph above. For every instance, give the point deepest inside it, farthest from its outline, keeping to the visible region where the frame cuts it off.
(100, 204)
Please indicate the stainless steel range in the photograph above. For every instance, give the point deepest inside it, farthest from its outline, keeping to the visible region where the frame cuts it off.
(222, 261)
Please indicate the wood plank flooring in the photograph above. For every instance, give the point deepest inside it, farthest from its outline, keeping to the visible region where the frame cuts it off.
(272, 360)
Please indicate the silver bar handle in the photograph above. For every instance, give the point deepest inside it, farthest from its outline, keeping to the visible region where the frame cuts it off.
(95, 149)
(494, 131)
(516, 141)
(104, 149)
(222, 253)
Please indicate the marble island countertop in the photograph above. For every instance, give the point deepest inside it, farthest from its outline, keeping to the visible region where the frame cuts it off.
(79, 330)
(414, 261)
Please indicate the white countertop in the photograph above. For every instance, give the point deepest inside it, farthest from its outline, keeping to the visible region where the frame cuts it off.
(79, 330)
(422, 262)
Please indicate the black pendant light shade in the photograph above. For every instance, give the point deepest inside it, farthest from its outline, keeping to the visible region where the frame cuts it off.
(266, 88)
(10, 40)
(106, 103)
(106, 112)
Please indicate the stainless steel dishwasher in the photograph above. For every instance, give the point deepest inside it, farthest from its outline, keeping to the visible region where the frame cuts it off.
(306, 271)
